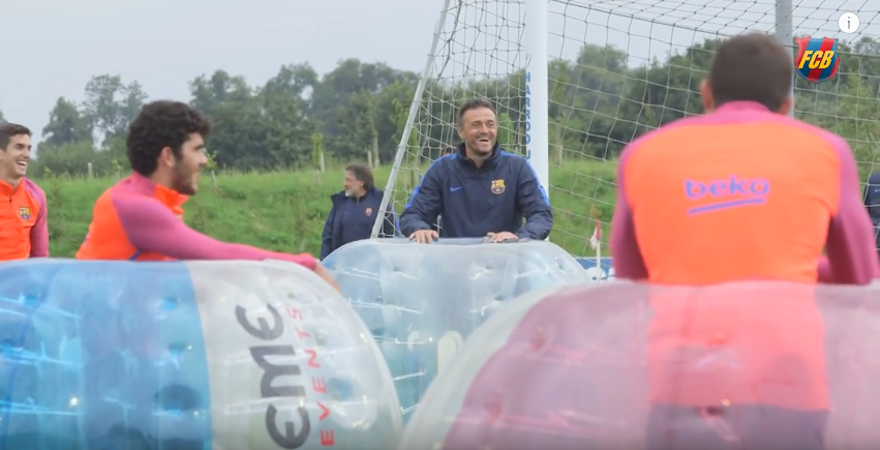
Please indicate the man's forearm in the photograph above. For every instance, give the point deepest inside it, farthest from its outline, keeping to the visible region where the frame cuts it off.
(410, 224)
(537, 227)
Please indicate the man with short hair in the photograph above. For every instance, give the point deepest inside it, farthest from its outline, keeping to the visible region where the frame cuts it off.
(743, 192)
(480, 190)
(141, 217)
(354, 211)
(24, 232)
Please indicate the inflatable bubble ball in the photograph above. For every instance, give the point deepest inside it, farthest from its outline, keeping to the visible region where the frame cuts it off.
(186, 356)
(422, 301)
(619, 365)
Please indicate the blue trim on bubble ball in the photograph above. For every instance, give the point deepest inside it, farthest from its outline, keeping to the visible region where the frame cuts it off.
(7, 351)
(90, 369)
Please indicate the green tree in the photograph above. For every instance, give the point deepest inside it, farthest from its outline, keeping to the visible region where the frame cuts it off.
(288, 131)
(357, 126)
(598, 104)
(66, 125)
(318, 151)
(386, 122)
(111, 105)
(659, 93)
(237, 134)
(286, 110)
(854, 115)
(401, 113)
(331, 99)
(295, 81)
(210, 93)
(71, 159)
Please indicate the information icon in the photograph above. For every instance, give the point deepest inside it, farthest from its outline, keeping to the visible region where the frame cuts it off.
(848, 22)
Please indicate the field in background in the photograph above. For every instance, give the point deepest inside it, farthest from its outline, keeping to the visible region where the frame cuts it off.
(285, 211)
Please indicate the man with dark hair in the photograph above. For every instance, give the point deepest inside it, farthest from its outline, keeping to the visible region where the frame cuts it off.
(743, 192)
(354, 211)
(480, 190)
(141, 217)
(751, 68)
(23, 229)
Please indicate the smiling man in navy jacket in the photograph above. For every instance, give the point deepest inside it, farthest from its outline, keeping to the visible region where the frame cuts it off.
(480, 190)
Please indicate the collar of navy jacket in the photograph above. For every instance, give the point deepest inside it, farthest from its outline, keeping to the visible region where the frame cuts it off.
(371, 194)
(489, 163)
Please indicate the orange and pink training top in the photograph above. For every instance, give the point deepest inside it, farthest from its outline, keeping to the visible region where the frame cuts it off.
(24, 232)
(139, 220)
(740, 194)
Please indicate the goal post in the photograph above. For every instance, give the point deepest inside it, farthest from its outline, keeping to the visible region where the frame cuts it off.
(537, 94)
(784, 32)
(407, 135)
(575, 81)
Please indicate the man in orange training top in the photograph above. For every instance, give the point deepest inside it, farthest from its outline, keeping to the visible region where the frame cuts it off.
(743, 192)
(23, 229)
(141, 217)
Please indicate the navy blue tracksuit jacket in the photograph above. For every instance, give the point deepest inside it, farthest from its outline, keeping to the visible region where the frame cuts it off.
(872, 202)
(352, 219)
(474, 202)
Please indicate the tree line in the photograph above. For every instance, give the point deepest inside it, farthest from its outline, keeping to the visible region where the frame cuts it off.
(357, 111)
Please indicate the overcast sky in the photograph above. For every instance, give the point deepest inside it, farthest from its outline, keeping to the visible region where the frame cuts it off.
(53, 47)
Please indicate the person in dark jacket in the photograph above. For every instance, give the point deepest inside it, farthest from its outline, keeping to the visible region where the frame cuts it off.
(872, 203)
(354, 211)
(439, 225)
(480, 190)
(872, 195)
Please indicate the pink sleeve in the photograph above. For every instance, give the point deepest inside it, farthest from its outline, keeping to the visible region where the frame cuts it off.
(626, 256)
(150, 227)
(825, 274)
(40, 230)
(852, 258)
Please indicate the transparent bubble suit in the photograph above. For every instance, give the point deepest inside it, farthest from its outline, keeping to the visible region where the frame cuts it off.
(186, 356)
(421, 301)
(625, 366)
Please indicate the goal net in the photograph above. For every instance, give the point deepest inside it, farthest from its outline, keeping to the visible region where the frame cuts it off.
(616, 69)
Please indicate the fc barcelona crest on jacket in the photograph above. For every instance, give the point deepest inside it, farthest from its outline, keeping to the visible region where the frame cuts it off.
(24, 212)
(497, 187)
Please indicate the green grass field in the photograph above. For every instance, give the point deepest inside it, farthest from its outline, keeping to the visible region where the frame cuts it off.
(285, 211)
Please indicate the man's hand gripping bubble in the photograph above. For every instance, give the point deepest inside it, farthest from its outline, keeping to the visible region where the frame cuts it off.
(504, 236)
(429, 236)
(322, 272)
(424, 236)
